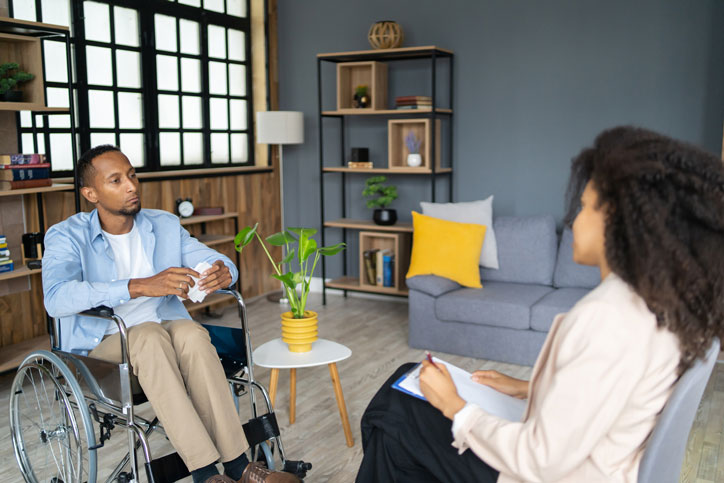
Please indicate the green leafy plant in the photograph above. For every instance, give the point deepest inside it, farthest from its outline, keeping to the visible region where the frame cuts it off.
(306, 246)
(381, 195)
(360, 90)
(11, 76)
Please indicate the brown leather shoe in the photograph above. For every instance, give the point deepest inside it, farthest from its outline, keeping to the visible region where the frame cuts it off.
(257, 473)
(220, 479)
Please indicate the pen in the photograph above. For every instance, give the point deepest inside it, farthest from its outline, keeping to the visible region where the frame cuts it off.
(429, 358)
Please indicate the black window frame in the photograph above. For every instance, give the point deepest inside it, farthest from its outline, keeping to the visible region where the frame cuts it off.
(147, 9)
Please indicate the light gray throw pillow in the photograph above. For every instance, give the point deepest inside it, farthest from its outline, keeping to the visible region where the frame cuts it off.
(478, 212)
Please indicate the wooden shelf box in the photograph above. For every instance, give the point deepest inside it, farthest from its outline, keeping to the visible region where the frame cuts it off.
(398, 244)
(398, 129)
(25, 51)
(353, 74)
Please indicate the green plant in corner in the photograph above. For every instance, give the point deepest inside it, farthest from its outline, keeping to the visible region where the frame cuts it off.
(381, 195)
(306, 247)
(11, 76)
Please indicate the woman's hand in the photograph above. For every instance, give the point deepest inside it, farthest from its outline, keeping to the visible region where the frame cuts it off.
(438, 387)
(502, 383)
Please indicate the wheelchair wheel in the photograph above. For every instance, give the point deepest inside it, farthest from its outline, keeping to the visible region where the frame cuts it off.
(50, 424)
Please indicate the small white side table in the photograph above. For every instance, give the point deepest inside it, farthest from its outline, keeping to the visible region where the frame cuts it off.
(276, 355)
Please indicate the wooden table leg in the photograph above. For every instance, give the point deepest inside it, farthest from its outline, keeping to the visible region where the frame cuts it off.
(292, 394)
(340, 404)
(273, 379)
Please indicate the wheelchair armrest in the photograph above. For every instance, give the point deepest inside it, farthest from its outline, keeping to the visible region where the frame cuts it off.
(100, 311)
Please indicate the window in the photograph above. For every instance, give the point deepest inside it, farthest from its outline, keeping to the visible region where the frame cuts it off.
(166, 81)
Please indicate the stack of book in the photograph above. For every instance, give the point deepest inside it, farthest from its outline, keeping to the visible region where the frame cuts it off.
(21, 171)
(379, 267)
(6, 264)
(413, 102)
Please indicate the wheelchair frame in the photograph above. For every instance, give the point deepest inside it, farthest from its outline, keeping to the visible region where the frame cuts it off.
(110, 400)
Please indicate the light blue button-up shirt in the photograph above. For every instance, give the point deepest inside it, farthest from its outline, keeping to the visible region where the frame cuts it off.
(79, 272)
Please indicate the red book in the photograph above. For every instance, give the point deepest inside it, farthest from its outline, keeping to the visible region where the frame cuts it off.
(413, 98)
(25, 166)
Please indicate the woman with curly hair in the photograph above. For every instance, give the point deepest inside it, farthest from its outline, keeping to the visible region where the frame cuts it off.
(649, 212)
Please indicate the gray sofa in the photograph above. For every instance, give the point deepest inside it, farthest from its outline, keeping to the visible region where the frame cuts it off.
(508, 319)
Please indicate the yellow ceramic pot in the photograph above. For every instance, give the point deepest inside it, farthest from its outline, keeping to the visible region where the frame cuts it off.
(299, 333)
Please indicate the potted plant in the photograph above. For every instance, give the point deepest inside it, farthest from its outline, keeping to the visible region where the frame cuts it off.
(10, 77)
(414, 158)
(361, 98)
(380, 196)
(299, 326)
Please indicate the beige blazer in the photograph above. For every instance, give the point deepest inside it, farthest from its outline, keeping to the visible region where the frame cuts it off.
(602, 377)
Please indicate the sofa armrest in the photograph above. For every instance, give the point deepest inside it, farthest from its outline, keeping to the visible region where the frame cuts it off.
(432, 284)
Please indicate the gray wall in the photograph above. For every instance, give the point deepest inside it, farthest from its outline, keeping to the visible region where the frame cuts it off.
(534, 83)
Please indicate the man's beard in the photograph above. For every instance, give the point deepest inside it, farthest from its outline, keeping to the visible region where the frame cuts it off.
(131, 211)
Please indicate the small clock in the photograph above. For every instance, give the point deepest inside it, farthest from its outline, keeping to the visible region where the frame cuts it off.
(184, 208)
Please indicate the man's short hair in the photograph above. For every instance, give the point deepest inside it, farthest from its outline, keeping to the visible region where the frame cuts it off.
(84, 167)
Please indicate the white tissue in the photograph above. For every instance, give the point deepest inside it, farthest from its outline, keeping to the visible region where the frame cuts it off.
(195, 294)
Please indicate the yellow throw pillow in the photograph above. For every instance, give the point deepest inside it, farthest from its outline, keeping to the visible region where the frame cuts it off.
(447, 249)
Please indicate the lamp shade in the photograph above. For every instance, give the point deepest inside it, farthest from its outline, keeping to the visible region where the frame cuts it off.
(279, 127)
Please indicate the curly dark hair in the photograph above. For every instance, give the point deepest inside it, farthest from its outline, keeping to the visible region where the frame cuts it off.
(664, 205)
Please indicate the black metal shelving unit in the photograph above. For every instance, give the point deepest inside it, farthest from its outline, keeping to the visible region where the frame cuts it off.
(433, 54)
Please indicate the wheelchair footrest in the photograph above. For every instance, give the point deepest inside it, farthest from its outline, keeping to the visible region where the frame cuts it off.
(168, 468)
(261, 429)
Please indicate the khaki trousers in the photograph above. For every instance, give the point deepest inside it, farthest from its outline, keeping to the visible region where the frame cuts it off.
(180, 373)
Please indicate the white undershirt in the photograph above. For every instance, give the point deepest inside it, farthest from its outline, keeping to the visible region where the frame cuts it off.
(131, 262)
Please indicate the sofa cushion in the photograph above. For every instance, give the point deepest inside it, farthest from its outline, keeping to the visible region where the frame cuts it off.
(526, 250)
(554, 303)
(446, 248)
(479, 212)
(498, 304)
(569, 273)
(432, 284)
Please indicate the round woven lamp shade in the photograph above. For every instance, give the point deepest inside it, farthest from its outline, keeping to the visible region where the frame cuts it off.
(385, 34)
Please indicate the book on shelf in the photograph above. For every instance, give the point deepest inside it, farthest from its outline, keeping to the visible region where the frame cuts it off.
(25, 184)
(19, 172)
(7, 266)
(412, 98)
(412, 108)
(380, 266)
(6, 159)
(4, 252)
(388, 267)
(209, 210)
(359, 164)
(3, 239)
(413, 103)
(370, 258)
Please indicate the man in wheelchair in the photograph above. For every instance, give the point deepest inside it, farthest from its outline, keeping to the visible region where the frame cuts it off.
(137, 262)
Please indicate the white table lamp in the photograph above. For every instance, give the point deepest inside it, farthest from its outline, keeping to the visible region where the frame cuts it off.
(280, 127)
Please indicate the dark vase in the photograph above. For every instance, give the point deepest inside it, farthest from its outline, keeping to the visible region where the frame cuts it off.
(13, 96)
(385, 216)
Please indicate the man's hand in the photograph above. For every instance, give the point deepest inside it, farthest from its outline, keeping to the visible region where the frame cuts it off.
(215, 278)
(172, 281)
(502, 383)
(438, 387)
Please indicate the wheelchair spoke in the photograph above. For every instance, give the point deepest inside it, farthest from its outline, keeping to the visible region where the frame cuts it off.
(45, 427)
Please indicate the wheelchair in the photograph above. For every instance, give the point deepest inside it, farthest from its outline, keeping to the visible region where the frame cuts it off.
(57, 398)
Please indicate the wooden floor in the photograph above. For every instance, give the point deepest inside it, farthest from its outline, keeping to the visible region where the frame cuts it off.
(376, 331)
